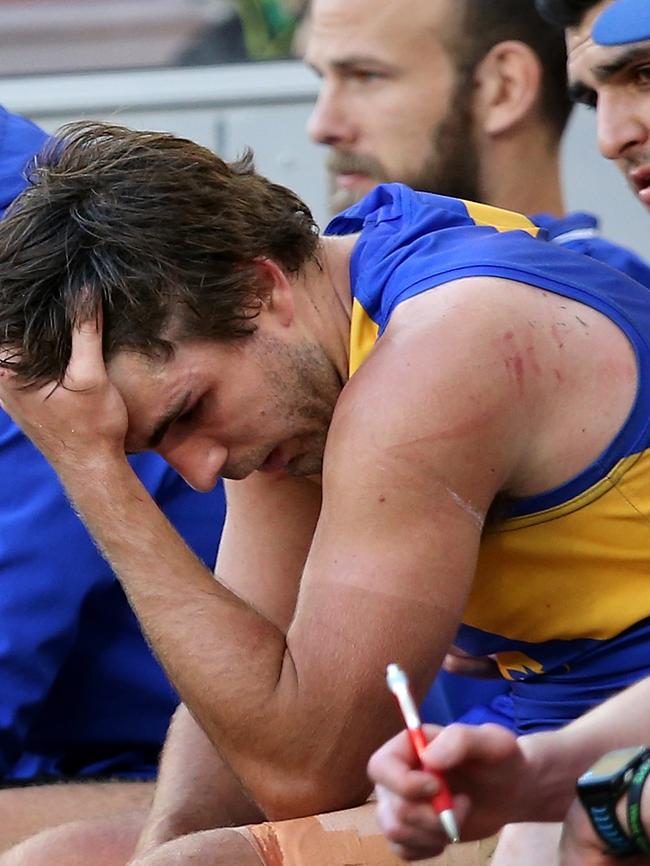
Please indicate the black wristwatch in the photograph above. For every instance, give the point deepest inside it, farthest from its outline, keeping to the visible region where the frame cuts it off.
(600, 789)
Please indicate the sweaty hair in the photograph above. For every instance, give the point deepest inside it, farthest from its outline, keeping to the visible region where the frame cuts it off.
(564, 13)
(155, 231)
(485, 23)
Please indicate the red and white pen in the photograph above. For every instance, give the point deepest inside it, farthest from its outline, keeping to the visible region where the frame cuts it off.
(398, 683)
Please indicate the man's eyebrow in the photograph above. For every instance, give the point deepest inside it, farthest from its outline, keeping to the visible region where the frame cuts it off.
(607, 70)
(165, 422)
(579, 92)
(352, 61)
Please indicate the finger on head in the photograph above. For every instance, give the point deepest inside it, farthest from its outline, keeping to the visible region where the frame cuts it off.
(87, 350)
(89, 321)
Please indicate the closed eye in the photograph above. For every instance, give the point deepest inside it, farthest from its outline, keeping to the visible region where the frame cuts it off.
(642, 75)
(189, 413)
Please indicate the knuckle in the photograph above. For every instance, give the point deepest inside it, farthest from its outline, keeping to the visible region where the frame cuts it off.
(389, 823)
(376, 766)
(398, 834)
(403, 811)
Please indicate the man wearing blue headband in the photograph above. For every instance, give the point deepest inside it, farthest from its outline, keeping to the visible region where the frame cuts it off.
(609, 70)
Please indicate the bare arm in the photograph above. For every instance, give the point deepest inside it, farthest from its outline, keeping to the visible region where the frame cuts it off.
(407, 484)
(580, 846)
(196, 790)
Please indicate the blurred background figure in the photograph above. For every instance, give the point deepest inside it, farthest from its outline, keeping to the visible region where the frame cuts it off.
(67, 35)
(250, 30)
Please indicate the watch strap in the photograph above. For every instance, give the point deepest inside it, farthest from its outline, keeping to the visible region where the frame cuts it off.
(607, 826)
(634, 792)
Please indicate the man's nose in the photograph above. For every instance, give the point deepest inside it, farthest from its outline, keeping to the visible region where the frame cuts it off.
(198, 462)
(329, 122)
(621, 124)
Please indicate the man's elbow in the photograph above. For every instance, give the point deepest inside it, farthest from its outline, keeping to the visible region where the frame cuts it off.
(284, 796)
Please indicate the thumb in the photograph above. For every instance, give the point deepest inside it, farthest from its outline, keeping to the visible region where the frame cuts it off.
(86, 357)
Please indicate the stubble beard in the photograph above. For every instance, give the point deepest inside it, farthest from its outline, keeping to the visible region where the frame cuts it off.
(451, 167)
(305, 387)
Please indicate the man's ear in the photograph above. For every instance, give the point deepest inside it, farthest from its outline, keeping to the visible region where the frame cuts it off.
(277, 290)
(508, 82)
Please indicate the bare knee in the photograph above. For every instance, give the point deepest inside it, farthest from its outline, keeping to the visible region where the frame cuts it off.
(226, 847)
(102, 842)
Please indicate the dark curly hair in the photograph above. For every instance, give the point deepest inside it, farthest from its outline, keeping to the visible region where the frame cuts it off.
(155, 230)
(564, 13)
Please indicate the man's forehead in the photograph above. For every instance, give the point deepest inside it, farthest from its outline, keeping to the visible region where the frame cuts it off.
(590, 64)
(155, 391)
(583, 55)
(578, 37)
(365, 28)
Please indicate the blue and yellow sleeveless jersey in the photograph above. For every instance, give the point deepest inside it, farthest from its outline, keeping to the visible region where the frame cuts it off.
(580, 231)
(562, 588)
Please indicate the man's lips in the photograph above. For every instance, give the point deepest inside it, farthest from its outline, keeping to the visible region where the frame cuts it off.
(640, 178)
(350, 180)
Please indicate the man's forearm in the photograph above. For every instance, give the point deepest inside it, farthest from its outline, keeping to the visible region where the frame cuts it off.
(211, 642)
(557, 758)
(227, 661)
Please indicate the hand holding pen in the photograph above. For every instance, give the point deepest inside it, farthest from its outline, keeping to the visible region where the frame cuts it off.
(398, 683)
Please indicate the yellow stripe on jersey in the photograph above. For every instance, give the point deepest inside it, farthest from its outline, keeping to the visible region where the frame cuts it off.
(581, 500)
(501, 220)
(576, 571)
(363, 331)
(363, 336)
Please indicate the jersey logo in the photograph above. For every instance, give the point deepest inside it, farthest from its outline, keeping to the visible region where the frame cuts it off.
(518, 666)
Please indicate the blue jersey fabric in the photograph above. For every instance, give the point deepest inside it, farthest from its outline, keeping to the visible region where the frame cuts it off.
(580, 231)
(559, 594)
(457, 698)
(20, 139)
(81, 693)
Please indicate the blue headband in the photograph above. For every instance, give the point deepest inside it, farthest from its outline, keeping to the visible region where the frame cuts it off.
(622, 22)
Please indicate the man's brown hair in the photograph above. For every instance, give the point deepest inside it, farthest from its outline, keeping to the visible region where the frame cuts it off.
(565, 13)
(155, 230)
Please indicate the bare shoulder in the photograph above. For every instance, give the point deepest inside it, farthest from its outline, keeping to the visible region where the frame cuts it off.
(498, 367)
(439, 381)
